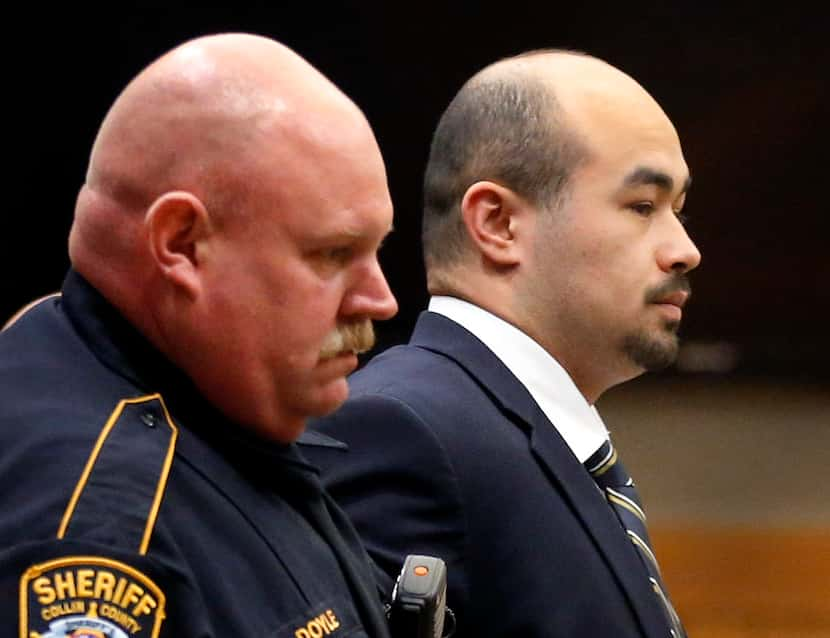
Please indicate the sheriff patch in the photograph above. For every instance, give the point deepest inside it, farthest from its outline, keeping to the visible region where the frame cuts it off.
(88, 597)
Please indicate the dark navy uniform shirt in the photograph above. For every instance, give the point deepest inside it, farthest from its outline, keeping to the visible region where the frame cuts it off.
(130, 507)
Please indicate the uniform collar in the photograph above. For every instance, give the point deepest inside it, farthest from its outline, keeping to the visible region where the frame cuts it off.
(125, 351)
(578, 422)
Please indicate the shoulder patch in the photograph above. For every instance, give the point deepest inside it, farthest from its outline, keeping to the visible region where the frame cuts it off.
(88, 597)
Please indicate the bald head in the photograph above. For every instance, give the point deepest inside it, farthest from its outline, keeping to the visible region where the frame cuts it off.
(526, 123)
(596, 99)
(195, 120)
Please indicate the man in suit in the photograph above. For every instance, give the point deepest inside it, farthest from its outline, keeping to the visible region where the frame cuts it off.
(556, 259)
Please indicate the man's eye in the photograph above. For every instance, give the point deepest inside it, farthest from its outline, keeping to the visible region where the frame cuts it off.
(643, 208)
(341, 254)
(338, 253)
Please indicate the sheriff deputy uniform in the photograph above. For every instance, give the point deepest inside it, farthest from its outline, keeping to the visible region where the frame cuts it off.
(131, 507)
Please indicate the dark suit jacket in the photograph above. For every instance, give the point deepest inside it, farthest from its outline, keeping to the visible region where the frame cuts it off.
(449, 455)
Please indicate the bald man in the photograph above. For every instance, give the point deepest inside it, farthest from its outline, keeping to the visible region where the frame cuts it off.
(224, 276)
(557, 259)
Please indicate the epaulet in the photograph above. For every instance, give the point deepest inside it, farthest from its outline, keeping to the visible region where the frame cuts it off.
(119, 493)
(27, 308)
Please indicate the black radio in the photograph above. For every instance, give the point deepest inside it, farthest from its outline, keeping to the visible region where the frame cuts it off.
(418, 608)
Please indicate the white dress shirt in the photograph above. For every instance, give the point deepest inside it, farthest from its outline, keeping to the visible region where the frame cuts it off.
(548, 383)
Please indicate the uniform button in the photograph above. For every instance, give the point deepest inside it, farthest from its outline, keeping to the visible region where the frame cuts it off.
(149, 419)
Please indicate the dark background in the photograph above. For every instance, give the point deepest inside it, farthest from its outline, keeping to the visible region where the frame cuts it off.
(745, 86)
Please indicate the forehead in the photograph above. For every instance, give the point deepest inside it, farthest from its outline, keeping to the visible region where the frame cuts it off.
(633, 142)
(312, 181)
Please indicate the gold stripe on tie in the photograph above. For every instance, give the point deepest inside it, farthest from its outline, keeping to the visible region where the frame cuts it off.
(607, 465)
(627, 503)
(639, 542)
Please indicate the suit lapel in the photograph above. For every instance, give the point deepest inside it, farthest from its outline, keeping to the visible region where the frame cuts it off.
(443, 336)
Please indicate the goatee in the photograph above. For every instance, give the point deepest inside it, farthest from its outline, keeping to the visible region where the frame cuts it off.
(656, 352)
(652, 352)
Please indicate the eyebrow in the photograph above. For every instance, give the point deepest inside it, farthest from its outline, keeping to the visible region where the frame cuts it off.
(351, 233)
(644, 176)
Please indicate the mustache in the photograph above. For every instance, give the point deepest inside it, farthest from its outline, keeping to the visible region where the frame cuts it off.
(677, 283)
(355, 337)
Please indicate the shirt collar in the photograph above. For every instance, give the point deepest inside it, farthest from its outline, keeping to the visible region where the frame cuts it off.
(578, 422)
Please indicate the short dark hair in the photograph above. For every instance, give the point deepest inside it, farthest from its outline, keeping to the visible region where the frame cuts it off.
(502, 127)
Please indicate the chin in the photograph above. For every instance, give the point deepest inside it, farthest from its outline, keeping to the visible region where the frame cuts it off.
(652, 352)
(331, 397)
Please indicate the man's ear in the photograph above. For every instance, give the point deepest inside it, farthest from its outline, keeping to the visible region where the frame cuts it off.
(177, 224)
(493, 215)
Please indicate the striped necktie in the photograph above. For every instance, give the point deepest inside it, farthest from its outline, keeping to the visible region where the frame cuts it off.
(618, 487)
